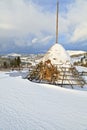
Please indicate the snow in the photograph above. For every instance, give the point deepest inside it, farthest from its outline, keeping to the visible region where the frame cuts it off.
(30, 106)
(81, 69)
(57, 54)
(78, 52)
(14, 55)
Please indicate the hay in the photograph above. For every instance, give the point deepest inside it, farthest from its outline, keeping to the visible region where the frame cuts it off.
(45, 71)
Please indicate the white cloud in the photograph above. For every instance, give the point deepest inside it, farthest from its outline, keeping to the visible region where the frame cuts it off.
(20, 19)
(43, 39)
(34, 40)
(5, 26)
(76, 21)
(24, 18)
(80, 33)
(46, 39)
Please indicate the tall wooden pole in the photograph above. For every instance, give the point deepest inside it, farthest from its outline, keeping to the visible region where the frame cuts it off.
(57, 22)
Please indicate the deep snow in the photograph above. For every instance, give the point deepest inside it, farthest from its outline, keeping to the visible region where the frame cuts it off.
(29, 106)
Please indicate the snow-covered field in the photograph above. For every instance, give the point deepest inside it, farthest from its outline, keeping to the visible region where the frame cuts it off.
(30, 106)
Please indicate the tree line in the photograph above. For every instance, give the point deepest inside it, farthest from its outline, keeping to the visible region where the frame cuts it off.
(13, 63)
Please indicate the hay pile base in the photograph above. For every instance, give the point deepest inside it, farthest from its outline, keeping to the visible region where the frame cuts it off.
(44, 72)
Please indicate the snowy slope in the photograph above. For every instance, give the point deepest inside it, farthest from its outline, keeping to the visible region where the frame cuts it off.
(13, 55)
(57, 54)
(81, 69)
(29, 106)
(78, 52)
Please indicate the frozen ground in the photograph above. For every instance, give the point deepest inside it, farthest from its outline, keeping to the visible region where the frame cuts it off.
(29, 106)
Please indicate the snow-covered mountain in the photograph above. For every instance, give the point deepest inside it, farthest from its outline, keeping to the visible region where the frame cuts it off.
(11, 55)
(74, 53)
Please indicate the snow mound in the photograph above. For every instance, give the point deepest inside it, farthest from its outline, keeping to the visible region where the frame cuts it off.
(57, 54)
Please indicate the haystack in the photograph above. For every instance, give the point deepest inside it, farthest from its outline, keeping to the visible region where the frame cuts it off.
(56, 66)
(68, 74)
(57, 55)
(44, 72)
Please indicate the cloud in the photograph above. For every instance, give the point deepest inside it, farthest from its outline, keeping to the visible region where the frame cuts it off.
(26, 23)
(24, 18)
(43, 40)
(19, 20)
(80, 33)
(76, 21)
(34, 40)
(46, 39)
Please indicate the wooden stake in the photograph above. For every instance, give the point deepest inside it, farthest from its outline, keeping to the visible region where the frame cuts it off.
(57, 22)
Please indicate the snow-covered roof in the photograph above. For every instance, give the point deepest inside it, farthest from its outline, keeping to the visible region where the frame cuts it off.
(57, 54)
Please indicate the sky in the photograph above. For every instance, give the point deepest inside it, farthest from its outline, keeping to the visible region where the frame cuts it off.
(29, 26)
